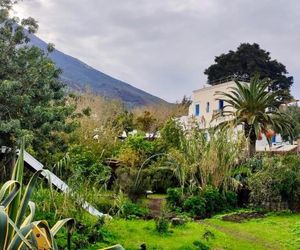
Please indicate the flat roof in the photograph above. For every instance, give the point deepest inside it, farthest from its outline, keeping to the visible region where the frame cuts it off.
(215, 86)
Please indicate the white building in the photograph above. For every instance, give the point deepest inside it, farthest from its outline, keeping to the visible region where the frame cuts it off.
(206, 103)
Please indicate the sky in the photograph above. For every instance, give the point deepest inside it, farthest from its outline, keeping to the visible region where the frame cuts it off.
(164, 46)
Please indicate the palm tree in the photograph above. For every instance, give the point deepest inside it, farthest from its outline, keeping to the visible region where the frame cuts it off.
(254, 107)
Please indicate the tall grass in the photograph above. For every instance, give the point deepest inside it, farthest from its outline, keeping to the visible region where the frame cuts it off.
(207, 158)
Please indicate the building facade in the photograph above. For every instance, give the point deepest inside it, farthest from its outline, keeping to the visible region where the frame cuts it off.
(207, 110)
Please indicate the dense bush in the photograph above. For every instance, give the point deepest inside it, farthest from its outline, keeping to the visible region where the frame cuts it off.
(278, 182)
(175, 198)
(202, 203)
(87, 166)
(139, 144)
(160, 177)
(215, 201)
(132, 210)
(171, 133)
(196, 206)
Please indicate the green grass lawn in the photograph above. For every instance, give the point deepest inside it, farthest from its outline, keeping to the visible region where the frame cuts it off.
(281, 231)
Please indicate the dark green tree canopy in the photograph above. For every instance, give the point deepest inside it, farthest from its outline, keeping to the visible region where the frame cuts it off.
(32, 98)
(245, 62)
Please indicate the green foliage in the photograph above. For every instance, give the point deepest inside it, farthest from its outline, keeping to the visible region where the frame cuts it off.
(162, 225)
(201, 203)
(133, 210)
(201, 162)
(32, 98)
(18, 230)
(139, 144)
(215, 201)
(146, 122)
(294, 113)
(87, 166)
(87, 230)
(248, 60)
(124, 121)
(200, 246)
(254, 108)
(172, 133)
(158, 178)
(196, 206)
(278, 181)
(175, 198)
(231, 200)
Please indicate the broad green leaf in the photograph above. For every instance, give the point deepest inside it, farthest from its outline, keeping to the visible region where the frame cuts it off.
(26, 196)
(7, 187)
(68, 221)
(3, 229)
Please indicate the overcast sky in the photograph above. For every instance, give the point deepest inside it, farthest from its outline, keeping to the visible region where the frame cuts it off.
(163, 46)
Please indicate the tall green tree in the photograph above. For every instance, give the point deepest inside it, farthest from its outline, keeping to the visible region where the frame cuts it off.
(254, 107)
(32, 98)
(248, 60)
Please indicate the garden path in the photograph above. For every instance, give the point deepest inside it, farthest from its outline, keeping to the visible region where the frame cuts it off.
(155, 206)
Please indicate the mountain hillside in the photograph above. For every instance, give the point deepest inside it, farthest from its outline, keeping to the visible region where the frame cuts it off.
(78, 75)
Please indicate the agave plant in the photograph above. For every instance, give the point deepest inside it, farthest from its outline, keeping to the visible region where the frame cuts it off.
(18, 230)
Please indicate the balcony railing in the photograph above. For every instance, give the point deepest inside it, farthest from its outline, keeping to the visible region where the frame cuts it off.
(242, 78)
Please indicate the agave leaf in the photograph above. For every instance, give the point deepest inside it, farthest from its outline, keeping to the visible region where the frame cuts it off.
(16, 176)
(20, 235)
(20, 238)
(29, 218)
(5, 201)
(41, 236)
(68, 221)
(115, 247)
(26, 197)
(44, 229)
(3, 229)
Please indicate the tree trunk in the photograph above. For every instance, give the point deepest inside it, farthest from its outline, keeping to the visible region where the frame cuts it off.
(251, 146)
(251, 137)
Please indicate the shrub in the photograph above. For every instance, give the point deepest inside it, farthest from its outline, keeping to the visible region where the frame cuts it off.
(200, 204)
(160, 177)
(214, 200)
(87, 166)
(162, 224)
(139, 144)
(277, 182)
(171, 133)
(200, 246)
(174, 198)
(196, 206)
(104, 204)
(131, 210)
(231, 199)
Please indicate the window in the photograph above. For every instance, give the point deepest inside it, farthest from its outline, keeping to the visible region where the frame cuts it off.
(207, 107)
(221, 104)
(197, 109)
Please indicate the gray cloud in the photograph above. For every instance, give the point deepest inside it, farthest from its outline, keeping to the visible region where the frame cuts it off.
(163, 46)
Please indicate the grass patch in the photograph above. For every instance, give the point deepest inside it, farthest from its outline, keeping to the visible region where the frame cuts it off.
(273, 232)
